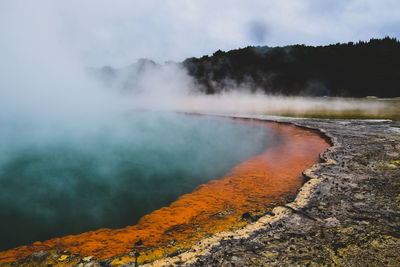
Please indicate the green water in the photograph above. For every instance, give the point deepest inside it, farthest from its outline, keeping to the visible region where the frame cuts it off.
(54, 183)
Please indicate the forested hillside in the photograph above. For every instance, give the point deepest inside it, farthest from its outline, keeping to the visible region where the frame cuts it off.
(353, 69)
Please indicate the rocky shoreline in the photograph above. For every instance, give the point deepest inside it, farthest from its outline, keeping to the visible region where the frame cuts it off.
(348, 213)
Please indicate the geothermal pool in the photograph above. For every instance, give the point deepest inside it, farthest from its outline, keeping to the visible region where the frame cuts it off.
(55, 183)
(243, 166)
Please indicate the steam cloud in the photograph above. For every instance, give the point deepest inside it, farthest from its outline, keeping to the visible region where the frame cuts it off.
(65, 137)
(76, 156)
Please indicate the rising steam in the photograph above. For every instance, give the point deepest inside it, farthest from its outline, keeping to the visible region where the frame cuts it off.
(76, 153)
(77, 156)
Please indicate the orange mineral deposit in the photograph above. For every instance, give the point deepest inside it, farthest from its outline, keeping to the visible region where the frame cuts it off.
(252, 187)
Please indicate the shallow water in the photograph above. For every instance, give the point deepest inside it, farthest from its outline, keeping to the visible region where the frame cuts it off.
(295, 106)
(62, 183)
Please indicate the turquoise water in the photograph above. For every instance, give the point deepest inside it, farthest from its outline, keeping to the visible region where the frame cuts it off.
(54, 183)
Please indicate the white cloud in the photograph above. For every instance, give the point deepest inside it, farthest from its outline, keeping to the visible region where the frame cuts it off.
(119, 32)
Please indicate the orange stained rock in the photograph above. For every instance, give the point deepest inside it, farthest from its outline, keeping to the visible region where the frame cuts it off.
(254, 185)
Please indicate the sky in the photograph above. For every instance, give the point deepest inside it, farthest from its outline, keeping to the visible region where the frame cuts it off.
(117, 33)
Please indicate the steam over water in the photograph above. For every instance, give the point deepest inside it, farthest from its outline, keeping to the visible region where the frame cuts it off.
(72, 157)
(112, 175)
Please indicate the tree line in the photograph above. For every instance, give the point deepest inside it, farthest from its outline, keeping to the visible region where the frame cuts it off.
(352, 69)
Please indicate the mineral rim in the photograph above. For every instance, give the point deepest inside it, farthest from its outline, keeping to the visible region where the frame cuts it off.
(347, 213)
(247, 192)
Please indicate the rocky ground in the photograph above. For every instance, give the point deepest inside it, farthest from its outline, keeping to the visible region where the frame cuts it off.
(348, 213)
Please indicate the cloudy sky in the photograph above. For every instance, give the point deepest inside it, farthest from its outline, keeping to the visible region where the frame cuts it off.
(117, 33)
